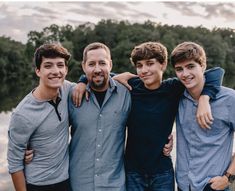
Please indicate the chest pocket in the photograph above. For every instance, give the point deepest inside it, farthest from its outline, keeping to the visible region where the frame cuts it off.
(119, 119)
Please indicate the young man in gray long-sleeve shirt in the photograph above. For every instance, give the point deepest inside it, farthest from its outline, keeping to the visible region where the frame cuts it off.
(40, 121)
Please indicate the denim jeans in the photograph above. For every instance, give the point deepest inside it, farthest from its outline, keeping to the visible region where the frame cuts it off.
(156, 182)
(207, 188)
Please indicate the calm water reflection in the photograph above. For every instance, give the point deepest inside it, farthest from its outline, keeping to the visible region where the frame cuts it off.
(5, 179)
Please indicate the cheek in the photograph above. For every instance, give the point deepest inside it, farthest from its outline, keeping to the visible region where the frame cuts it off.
(178, 75)
(138, 71)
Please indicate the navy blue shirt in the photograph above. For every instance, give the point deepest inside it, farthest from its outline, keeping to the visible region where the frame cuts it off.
(149, 124)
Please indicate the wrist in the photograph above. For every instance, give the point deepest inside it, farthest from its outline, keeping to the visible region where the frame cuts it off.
(229, 177)
(205, 97)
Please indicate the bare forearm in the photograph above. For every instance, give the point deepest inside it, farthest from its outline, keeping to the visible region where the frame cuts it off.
(18, 179)
(231, 168)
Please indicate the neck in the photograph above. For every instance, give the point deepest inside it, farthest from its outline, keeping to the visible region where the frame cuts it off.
(196, 92)
(45, 94)
(154, 86)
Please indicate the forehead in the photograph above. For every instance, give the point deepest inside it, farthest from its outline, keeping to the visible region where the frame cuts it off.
(53, 60)
(185, 63)
(97, 54)
(147, 60)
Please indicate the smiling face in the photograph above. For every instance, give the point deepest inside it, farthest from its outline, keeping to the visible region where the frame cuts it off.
(150, 72)
(97, 68)
(191, 74)
(52, 73)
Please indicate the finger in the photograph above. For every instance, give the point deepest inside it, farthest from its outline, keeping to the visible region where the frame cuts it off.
(201, 122)
(87, 96)
(209, 115)
(208, 121)
(170, 137)
(28, 152)
(75, 98)
(128, 87)
(29, 157)
(79, 100)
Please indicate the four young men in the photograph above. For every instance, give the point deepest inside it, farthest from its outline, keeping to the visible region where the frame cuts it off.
(98, 126)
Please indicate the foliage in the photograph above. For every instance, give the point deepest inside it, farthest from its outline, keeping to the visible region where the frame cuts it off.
(16, 59)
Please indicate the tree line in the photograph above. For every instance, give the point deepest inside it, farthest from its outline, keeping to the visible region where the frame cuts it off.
(16, 59)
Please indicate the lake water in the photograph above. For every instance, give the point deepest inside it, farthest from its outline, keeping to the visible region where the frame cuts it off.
(5, 178)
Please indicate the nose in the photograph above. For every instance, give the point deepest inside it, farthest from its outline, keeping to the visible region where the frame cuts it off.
(144, 69)
(185, 72)
(97, 69)
(55, 70)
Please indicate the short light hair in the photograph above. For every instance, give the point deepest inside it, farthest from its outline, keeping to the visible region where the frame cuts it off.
(94, 46)
(50, 50)
(188, 51)
(149, 50)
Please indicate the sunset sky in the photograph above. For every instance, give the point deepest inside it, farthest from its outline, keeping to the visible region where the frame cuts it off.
(18, 18)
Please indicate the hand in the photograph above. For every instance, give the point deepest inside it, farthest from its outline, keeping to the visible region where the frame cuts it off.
(204, 116)
(169, 146)
(78, 93)
(219, 182)
(28, 157)
(123, 79)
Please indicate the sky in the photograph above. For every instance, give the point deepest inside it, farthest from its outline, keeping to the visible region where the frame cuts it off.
(18, 18)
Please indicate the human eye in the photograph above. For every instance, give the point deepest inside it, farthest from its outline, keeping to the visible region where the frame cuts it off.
(102, 63)
(191, 66)
(47, 65)
(150, 63)
(139, 66)
(178, 69)
(61, 65)
(91, 64)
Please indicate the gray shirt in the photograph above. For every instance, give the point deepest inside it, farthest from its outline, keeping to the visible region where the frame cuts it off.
(35, 124)
(204, 153)
(97, 142)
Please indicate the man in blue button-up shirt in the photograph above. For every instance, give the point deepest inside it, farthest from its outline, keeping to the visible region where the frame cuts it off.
(204, 156)
(98, 127)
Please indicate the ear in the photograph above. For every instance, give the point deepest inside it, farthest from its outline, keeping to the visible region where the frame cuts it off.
(111, 64)
(37, 71)
(164, 65)
(203, 67)
(66, 72)
(83, 67)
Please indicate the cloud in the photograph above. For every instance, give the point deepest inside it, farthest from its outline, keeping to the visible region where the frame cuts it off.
(19, 18)
(208, 10)
(224, 10)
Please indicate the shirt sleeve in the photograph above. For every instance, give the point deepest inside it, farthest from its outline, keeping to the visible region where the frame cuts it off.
(83, 79)
(232, 111)
(19, 132)
(214, 79)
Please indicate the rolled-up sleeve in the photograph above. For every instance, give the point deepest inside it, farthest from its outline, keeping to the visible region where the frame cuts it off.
(19, 133)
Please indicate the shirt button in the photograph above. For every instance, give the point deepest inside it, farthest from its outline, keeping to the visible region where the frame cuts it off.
(97, 159)
(98, 145)
(96, 175)
(100, 130)
(100, 115)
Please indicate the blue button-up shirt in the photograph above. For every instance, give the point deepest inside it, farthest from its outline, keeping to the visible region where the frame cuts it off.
(97, 144)
(204, 153)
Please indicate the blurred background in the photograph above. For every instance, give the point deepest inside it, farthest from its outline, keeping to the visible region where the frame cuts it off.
(120, 25)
